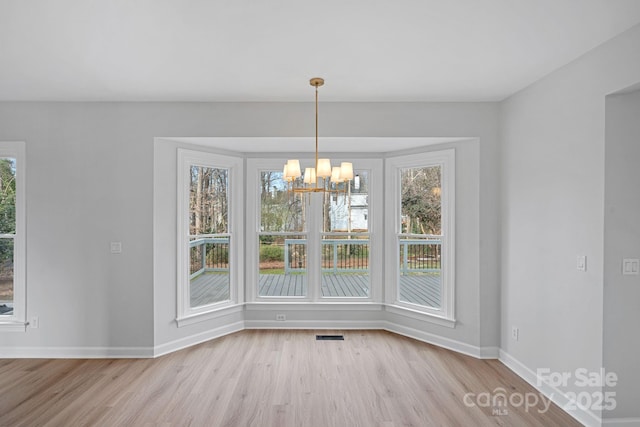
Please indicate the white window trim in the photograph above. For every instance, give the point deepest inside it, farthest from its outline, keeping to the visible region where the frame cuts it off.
(186, 314)
(446, 160)
(375, 218)
(17, 322)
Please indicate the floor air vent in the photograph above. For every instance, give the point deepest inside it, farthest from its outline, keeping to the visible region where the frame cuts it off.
(329, 337)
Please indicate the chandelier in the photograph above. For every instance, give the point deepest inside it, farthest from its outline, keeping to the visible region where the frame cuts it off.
(309, 182)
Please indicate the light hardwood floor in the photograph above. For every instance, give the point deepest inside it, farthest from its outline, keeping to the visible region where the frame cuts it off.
(269, 378)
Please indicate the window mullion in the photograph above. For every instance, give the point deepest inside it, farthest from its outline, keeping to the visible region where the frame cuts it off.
(314, 241)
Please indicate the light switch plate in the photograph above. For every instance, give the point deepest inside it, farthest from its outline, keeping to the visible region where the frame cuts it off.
(581, 263)
(116, 247)
(630, 267)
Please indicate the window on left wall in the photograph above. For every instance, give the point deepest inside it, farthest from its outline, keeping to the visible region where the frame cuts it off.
(209, 224)
(12, 237)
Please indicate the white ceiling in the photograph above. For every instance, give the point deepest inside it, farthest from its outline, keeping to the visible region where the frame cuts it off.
(243, 50)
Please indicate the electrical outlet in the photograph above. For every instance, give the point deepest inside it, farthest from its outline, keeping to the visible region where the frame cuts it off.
(35, 322)
(281, 317)
(515, 333)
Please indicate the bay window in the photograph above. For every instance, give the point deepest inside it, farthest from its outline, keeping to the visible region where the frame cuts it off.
(319, 247)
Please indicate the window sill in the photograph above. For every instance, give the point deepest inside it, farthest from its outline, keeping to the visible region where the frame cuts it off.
(208, 315)
(13, 326)
(421, 315)
(314, 305)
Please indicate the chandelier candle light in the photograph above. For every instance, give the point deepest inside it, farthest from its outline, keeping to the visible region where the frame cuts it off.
(311, 178)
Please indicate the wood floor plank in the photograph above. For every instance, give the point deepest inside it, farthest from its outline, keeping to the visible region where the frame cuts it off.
(269, 378)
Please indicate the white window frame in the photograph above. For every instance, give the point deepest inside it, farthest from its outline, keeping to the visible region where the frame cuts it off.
(186, 158)
(314, 236)
(445, 315)
(17, 322)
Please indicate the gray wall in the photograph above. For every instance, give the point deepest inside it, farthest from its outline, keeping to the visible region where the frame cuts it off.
(552, 149)
(90, 180)
(622, 240)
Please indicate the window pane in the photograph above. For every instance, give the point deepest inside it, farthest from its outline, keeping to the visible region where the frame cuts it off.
(209, 278)
(209, 270)
(283, 266)
(345, 266)
(421, 188)
(420, 271)
(208, 201)
(6, 276)
(348, 209)
(280, 211)
(7, 196)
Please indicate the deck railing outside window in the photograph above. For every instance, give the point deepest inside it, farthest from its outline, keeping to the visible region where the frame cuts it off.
(420, 255)
(295, 255)
(338, 255)
(209, 254)
(417, 255)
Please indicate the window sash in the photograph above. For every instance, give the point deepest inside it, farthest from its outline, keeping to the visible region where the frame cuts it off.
(445, 159)
(233, 236)
(17, 321)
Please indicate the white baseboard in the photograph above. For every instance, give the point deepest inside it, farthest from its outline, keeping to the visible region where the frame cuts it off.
(116, 352)
(488, 353)
(621, 422)
(185, 342)
(76, 352)
(179, 344)
(554, 394)
(448, 343)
